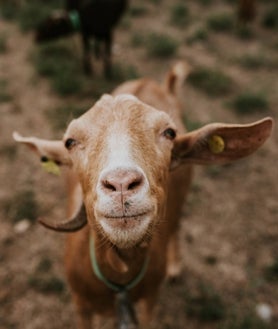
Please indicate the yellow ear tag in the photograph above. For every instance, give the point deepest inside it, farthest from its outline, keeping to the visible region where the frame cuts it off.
(51, 167)
(216, 144)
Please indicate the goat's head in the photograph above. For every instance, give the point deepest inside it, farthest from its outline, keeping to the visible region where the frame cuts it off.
(123, 150)
(58, 24)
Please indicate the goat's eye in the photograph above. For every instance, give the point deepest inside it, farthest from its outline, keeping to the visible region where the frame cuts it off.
(169, 133)
(69, 143)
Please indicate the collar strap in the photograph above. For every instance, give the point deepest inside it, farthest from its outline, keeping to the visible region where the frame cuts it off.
(114, 286)
(75, 19)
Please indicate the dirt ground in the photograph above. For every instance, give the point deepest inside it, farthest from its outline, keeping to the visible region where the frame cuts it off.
(229, 230)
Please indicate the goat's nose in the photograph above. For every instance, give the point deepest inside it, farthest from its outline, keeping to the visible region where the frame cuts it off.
(122, 180)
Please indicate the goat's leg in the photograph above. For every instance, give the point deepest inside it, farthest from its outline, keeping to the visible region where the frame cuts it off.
(173, 258)
(146, 308)
(107, 56)
(84, 314)
(86, 55)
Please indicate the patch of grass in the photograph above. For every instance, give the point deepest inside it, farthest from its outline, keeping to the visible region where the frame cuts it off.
(44, 265)
(3, 43)
(137, 39)
(138, 10)
(191, 125)
(244, 32)
(198, 35)
(245, 321)
(8, 151)
(61, 116)
(271, 271)
(22, 206)
(270, 19)
(222, 22)
(7, 10)
(252, 61)
(206, 305)
(33, 12)
(205, 2)
(47, 285)
(179, 15)
(121, 72)
(4, 94)
(212, 81)
(57, 61)
(161, 45)
(247, 103)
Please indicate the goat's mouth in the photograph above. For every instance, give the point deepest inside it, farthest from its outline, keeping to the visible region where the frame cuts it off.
(125, 221)
(126, 230)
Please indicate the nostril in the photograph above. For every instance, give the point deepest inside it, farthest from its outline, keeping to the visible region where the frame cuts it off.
(122, 180)
(133, 185)
(108, 186)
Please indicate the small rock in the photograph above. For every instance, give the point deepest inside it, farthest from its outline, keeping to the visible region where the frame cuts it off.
(22, 226)
(264, 311)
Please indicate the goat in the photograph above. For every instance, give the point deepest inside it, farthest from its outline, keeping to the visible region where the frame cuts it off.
(246, 10)
(129, 161)
(92, 18)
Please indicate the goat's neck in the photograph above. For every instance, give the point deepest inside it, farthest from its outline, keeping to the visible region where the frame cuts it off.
(120, 266)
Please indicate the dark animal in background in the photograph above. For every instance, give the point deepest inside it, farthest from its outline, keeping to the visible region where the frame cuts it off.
(246, 10)
(93, 19)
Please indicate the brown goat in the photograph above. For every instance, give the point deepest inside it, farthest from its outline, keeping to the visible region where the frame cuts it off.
(129, 163)
(246, 10)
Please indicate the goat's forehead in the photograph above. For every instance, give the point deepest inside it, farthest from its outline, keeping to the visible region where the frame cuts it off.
(121, 110)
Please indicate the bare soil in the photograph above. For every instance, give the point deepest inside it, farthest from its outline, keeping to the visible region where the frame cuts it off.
(229, 228)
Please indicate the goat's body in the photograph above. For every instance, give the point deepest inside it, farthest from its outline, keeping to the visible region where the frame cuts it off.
(94, 19)
(93, 296)
(129, 162)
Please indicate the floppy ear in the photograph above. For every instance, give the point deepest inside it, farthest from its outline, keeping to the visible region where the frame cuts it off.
(47, 150)
(220, 143)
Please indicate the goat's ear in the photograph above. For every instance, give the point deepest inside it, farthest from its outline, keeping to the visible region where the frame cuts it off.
(47, 150)
(220, 143)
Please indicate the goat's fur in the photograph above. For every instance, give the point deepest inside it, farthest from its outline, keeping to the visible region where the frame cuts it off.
(119, 159)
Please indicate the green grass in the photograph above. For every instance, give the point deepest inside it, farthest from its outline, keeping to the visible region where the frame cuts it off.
(44, 265)
(253, 61)
(8, 151)
(222, 22)
(60, 117)
(47, 285)
(137, 39)
(206, 305)
(247, 103)
(270, 19)
(199, 35)
(179, 15)
(138, 10)
(7, 10)
(22, 206)
(244, 32)
(244, 321)
(5, 96)
(161, 45)
(3, 43)
(211, 81)
(30, 13)
(57, 62)
(271, 271)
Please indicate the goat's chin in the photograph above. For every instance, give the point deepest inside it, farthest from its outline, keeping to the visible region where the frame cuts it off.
(126, 232)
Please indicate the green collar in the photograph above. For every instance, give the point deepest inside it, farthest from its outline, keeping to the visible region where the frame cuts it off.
(114, 286)
(75, 19)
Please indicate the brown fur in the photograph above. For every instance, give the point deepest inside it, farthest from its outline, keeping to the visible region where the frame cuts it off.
(120, 262)
(246, 10)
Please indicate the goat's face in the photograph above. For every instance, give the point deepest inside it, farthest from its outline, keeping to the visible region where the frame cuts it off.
(121, 150)
(55, 26)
